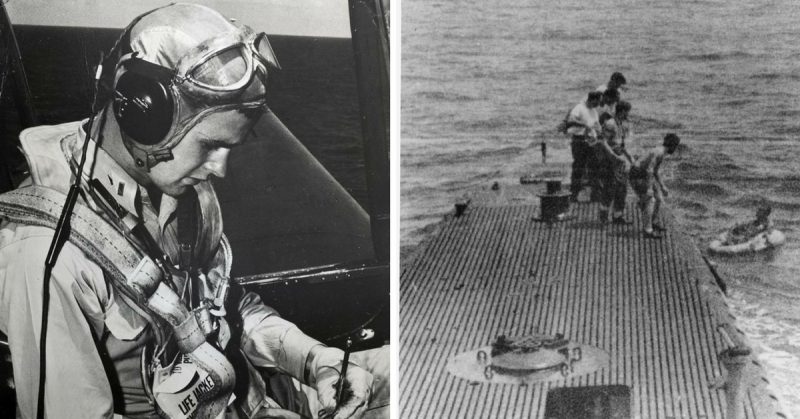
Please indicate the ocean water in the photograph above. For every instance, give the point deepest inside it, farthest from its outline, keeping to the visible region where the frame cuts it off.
(485, 82)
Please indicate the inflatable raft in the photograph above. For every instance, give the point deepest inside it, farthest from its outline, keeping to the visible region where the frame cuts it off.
(762, 241)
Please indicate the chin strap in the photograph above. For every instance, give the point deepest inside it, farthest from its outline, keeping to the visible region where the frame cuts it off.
(62, 232)
(147, 159)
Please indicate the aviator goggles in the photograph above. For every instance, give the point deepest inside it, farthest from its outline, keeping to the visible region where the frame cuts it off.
(214, 76)
(225, 66)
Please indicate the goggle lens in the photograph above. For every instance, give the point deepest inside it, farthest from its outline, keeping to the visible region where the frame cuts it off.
(264, 51)
(226, 68)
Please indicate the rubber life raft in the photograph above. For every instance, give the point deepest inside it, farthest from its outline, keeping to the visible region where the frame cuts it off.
(762, 241)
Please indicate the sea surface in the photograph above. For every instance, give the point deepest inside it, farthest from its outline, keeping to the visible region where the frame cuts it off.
(484, 82)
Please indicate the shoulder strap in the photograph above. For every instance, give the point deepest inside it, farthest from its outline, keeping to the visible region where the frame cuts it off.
(136, 275)
(41, 206)
(133, 274)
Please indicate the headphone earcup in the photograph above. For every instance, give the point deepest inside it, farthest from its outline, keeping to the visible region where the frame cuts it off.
(143, 107)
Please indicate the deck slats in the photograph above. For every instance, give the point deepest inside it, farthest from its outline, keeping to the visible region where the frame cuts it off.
(495, 271)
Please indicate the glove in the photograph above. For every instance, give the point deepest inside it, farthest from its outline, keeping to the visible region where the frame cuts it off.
(325, 370)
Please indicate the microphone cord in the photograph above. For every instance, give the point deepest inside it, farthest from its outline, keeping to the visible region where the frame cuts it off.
(59, 238)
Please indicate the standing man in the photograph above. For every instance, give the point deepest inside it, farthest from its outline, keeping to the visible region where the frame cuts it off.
(143, 321)
(583, 126)
(646, 181)
(609, 102)
(615, 163)
(617, 81)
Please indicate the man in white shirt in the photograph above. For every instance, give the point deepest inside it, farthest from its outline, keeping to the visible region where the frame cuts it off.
(582, 126)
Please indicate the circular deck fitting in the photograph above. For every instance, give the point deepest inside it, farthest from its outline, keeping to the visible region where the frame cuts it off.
(528, 359)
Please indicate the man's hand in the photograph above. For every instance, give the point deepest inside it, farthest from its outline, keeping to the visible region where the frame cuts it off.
(591, 138)
(626, 165)
(356, 389)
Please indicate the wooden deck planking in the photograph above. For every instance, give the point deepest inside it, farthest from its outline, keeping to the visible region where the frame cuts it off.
(439, 272)
(496, 271)
(455, 310)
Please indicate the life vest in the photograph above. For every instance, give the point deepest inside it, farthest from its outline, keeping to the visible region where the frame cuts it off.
(186, 373)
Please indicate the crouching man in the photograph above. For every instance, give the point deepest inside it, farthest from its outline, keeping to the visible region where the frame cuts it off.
(645, 178)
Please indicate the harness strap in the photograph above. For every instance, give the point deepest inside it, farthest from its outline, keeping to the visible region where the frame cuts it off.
(138, 278)
(40, 206)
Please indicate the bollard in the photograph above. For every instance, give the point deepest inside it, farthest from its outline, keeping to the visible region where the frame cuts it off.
(461, 206)
(554, 204)
(544, 152)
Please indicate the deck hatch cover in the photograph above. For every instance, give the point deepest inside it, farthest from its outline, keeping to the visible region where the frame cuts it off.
(528, 359)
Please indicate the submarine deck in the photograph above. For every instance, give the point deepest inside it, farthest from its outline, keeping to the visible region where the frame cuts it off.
(652, 304)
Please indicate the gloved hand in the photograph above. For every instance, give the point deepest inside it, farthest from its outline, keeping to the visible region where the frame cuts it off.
(325, 371)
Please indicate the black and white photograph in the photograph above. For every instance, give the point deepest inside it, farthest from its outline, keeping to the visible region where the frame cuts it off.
(599, 209)
(195, 209)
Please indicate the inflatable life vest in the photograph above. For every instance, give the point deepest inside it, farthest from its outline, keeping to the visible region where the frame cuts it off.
(191, 377)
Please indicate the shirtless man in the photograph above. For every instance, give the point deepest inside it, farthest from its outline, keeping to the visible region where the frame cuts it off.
(614, 163)
(646, 182)
(609, 102)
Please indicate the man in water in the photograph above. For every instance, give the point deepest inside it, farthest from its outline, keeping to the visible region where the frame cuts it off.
(645, 177)
(143, 320)
(744, 232)
(614, 163)
(583, 127)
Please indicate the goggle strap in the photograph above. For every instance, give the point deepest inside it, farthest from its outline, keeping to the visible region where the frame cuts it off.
(154, 71)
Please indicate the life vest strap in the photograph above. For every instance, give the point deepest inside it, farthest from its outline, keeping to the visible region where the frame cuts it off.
(136, 276)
